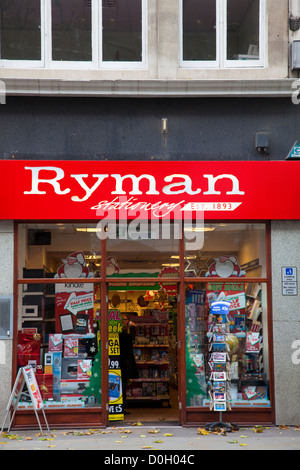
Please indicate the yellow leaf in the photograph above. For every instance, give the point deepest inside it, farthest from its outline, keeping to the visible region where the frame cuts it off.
(137, 424)
(243, 445)
(203, 432)
(159, 441)
(167, 434)
(153, 431)
(147, 447)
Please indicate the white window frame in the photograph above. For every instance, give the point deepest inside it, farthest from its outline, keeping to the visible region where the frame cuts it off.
(96, 38)
(27, 64)
(126, 65)
(221, 41)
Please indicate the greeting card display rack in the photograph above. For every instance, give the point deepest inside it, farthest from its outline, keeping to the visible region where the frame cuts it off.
(219, 365)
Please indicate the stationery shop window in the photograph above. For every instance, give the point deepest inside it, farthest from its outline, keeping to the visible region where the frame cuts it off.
(59, 324)
(227, 321)
(73, 33)
(217, 33)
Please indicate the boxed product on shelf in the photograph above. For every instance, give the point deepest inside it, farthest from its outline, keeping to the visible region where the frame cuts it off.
(149, 389)
(55, 343)
(71, 387)
(254, 392)
(84, 367)
(162, 388)
(136, 391)
(70, 347)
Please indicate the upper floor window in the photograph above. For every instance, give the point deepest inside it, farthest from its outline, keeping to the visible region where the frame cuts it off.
(222, 33)
(73, 33)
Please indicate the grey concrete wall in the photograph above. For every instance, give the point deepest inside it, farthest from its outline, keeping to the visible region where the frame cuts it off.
(286, 323)
(6, 288)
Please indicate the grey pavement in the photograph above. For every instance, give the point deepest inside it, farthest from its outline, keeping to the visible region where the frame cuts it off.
(154, 442)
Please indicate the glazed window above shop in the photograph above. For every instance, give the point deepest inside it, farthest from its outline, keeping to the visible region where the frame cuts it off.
(73, 33)
(226, 319)
(222, 33)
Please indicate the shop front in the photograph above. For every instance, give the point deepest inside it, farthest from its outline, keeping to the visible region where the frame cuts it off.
(164, 247)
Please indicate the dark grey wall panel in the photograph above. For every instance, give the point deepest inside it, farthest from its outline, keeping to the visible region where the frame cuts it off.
(116, 128)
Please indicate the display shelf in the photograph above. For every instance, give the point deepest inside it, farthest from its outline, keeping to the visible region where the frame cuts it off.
(151, 350)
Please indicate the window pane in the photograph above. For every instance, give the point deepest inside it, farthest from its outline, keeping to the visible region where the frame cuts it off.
(235, 345)
(199, 30)
(71, 30)
(59, 335)
(59, 250)
(20, 30)
(141, 248)
(242, 29)
(227, 251)
(122, 30)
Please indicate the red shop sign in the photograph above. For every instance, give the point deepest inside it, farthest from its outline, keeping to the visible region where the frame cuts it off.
(91, 190)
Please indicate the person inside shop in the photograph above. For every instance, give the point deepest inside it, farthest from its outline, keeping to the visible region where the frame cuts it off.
(127, 360)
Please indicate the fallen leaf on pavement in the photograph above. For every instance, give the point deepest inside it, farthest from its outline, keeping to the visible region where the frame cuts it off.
(203, 432)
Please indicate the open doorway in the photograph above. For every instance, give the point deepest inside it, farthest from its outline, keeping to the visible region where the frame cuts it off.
(149, 316)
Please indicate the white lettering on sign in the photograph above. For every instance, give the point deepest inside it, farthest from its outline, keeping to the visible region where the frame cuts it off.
(184, 185)
(296, 354)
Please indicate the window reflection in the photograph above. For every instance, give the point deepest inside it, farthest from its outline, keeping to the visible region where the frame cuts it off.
(20, 30)
(122, 30)
(71, 30)
(199, 30)
(242, 29)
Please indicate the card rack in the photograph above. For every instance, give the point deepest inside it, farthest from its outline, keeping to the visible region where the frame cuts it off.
(219, 365)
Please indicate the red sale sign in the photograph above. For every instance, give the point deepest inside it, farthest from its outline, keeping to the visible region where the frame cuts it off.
(92, 190)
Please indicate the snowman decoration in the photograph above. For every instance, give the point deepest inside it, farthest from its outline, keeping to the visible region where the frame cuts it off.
(225, 266)
(73, 266)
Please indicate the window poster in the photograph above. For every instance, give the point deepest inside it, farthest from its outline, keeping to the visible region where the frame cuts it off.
(115, 410)
(74, 301)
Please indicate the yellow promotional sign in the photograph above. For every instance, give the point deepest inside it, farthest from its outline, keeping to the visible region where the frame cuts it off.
(114, 373)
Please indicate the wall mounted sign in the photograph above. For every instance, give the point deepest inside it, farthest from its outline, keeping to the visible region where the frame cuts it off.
(289, 279)
(91, 190)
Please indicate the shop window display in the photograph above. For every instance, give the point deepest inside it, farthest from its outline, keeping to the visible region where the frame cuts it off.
(59, 336)
(59, 323)
(246, 340)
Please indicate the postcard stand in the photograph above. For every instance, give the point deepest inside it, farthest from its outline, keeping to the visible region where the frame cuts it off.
(219, 366)
(26, 377)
